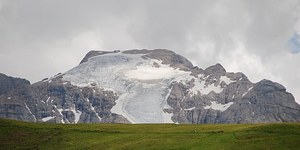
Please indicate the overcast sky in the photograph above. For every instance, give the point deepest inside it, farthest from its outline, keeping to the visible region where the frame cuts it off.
(40, 38)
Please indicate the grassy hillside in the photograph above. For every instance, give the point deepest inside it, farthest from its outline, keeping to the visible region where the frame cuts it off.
(21, 135)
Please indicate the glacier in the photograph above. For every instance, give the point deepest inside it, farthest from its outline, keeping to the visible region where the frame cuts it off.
(141, 84)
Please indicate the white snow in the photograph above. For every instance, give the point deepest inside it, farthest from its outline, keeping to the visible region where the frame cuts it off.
(30, 112)
(62, 116)
(165, 105)
(93, 109)
(9, 98)
(153, 73)
(192, 108)
(47, 99)
(233, 96)
(77, 113)
(217, 106)
(200, 85)
(47, 118)
(226, 80)
(204, 89)
(247, 91)
(167, 116)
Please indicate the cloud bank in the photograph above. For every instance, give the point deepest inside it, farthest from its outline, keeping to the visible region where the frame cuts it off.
(40, 38)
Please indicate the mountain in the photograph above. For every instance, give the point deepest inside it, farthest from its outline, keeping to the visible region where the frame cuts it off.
(147, 86)
(8, 84)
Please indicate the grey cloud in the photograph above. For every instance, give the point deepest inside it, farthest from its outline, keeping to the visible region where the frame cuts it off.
(40, 38)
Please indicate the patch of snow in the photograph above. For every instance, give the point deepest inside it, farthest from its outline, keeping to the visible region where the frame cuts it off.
(226, 80)
(62, 116)
(47, 118)
(119, 108)
(107, 88)
(217, 106)
(93, 109)
(247, 91)
(153, 73)
(144, 105)
(233, 96)
(47, 99)
(30, 112)
(77, 115)
(167, 116)
(65, 83)
(192, 108)
(9, 98)
(199, 86)
(186, 78)
(183, 98)
(165, 105)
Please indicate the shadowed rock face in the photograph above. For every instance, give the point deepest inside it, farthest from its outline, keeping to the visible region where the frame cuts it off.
(169, 57)
(60, 102)
(94, 53)
(141, 81)
(9, 83)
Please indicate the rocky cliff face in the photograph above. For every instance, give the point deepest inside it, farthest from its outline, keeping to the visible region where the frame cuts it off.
(146, 86)
(8, 84)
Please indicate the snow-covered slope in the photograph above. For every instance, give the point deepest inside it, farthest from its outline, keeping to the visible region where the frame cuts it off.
(142, 85)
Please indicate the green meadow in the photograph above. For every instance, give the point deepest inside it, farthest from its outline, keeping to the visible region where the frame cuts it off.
(24, 135)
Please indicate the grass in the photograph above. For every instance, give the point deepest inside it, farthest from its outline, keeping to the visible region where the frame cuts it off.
(24, 135)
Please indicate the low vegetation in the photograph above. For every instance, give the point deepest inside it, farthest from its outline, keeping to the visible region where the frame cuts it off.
(23, 135)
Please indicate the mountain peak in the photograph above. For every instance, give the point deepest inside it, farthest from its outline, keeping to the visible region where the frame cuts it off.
(94, 53)
(217, 68)
(166, 56)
